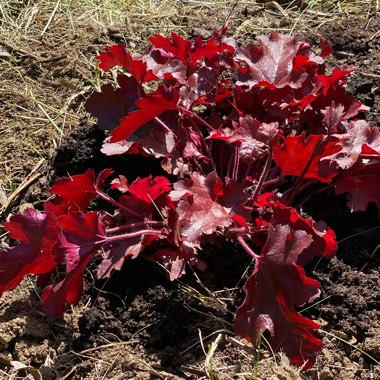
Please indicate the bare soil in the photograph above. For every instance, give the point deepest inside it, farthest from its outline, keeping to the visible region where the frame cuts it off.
(138, 325)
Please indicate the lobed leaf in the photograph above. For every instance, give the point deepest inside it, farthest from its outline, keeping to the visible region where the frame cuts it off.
(277, 285)
(278, 61)
(110, 104)
(117, 55)
(307, 156)
(75, 192)
(198, 213)
(80, 238)
(362, 183)
(150, 107)
(37, 250)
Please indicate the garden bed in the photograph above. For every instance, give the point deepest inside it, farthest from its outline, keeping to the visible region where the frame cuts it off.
(139, 325)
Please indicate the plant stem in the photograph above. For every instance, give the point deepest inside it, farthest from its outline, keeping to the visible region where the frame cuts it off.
(236, 164)
(315, 192)
(248, 249)
(263, 176)
(247, 171)
(230, 164)
(272, 182)
(115, 203)
(159, 121)
(195, 116)
(205, 146)
(131, 235)
(134, 225)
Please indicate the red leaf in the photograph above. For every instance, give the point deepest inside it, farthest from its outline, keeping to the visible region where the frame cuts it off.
(277, 285)
(165, 67)
(362, 183)
(119, 251)
(198, 85)
(111, 104)
(215, 185)
(323, 243)
(268, 105)
(234, 199)
(240, 221)
(176, 260)
(198, 213)
(120, 183)
(249, 132)
(148, 189)
(77, 191)
(81, 236)
(178, 47)
(372, 145)
(152, 138)
(333, 116)
(102, 178)
(296, 152)
(219, 49)
(36, 253)
(326, 48)
(325, 113)
(359, 138)
(150, 106)
(336, 79)
(117, 55)
(271, 63)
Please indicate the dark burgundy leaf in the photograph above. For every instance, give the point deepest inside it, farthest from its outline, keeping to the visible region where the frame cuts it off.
(80, 238)
(268, 106)
(36, 252)
(102, 178)
(362, 183)
(316, 114)
(199, 84)
(164, 66)
(110, 105)
(234, 199)
(135, 209)
(333, 116)
(118, 251)
(323, 238)
(176, 261)
(151, 139)
(277, 285)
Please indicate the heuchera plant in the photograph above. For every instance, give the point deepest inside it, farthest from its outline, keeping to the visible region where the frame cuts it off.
(245, 132)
